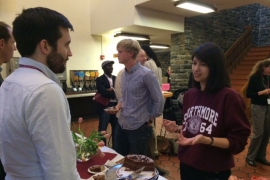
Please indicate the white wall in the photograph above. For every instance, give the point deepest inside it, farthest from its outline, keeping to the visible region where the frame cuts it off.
(110, 14)
(159, 20)
(86, 49)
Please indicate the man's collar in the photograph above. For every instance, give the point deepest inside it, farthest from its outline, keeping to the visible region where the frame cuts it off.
(31, 62)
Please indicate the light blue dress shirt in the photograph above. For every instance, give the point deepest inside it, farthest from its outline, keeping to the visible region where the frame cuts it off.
(35, 138)
(142, 98)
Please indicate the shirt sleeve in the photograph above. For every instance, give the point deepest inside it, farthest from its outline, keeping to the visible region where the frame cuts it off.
(48, 121)
(157, 98)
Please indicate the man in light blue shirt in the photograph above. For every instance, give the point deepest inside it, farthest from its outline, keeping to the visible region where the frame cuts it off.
(142, 101)
(35, 138)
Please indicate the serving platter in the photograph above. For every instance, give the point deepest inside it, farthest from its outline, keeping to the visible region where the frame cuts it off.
(115, 171)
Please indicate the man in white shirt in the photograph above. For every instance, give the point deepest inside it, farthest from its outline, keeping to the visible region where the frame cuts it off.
(35, 138)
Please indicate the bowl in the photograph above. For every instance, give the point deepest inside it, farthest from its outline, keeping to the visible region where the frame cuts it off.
(97, 169)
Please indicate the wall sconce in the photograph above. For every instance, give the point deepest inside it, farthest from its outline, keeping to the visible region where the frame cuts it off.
(159, 46)
(137, 37)
(195, 6)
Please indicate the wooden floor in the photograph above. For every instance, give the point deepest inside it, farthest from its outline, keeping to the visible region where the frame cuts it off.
(171, 163)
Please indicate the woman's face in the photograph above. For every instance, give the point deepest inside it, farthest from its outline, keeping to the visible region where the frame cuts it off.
(200, 71)
(266, 70)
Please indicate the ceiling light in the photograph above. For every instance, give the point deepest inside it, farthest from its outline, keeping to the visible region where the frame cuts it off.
(195, 6)
(137, 37)
(159, 46)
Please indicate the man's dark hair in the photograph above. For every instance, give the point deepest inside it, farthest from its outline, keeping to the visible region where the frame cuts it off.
(212, 55)
(4, 32)
(151, 54)
(35, 24)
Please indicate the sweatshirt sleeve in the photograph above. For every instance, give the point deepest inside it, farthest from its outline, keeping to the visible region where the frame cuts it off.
(236, 123)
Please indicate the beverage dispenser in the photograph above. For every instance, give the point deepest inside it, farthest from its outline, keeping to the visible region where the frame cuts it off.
(63, 80)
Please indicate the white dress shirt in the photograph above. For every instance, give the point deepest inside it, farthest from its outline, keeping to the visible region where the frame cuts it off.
(150, 64)
(35, 138)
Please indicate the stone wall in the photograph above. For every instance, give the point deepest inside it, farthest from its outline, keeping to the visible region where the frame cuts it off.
(224, 28)
(264, 26)
(180, 62)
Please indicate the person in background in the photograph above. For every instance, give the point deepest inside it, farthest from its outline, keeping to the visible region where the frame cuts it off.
(190, 80)
(7, 48)
(141, 102)
(7, 45)
(35, 138)
(105, 86)
(212, 132)
(154, 65)
(152, 62)
(168, 74)
(258, 89)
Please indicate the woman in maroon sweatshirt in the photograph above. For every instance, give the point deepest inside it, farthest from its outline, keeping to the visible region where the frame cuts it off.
(215, 125)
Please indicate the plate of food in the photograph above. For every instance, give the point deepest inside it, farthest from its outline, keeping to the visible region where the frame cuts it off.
(111, 110)
(98, 176)
(97, 169)
(134, 162)
(124, 172)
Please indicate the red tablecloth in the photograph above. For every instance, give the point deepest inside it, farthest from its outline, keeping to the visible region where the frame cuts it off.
(83, 166)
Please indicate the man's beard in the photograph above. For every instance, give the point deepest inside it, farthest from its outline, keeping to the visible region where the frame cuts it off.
(55, 62)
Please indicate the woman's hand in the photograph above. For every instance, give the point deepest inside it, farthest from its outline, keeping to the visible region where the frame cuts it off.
(264, 92)
(183, 141)
(170, 126)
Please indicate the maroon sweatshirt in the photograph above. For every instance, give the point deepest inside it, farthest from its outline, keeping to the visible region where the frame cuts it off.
(218, 114)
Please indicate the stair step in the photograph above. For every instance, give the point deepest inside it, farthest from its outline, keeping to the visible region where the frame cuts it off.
(255, 58)
(248, 62)
(258, 53)
(238, 77)
(246, 66)
(237, 88)
(241, 71)
(238, 83)
(267, 48)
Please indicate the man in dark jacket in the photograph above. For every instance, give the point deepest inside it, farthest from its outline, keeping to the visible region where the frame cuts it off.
(7, 48)
(105, 86)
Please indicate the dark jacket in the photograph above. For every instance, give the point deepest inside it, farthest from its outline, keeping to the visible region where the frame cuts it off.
(102, 84)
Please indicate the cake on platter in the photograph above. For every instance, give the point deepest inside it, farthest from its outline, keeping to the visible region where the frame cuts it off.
(134, 161)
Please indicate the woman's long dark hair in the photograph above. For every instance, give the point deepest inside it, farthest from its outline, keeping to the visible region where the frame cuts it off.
(211, 54)
(151, 54)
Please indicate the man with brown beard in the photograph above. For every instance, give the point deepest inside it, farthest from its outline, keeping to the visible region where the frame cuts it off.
(35, 138)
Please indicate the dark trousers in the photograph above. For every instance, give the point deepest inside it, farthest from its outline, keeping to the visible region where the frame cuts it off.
(132, 141)
(105, 119)
(2, 172)
(190, 173)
